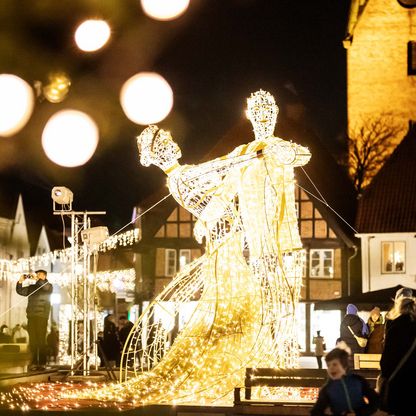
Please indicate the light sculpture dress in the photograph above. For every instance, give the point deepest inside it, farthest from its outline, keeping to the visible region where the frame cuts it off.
(248, 280)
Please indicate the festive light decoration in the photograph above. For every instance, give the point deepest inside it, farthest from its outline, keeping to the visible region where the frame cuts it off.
(164, 9)
(25, 265)
(108, 281)
(92, 35)
(70, 138)
(57, 88)
(16, 104)
(48, 396)
(146, 98)
(247, 283)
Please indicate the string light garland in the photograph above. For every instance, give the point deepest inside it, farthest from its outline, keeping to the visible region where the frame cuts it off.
(248, 281)
(48, 396)
(24, 265)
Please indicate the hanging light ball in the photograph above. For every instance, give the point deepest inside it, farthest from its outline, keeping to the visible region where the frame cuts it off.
(58, 87)
(164, 9)
(16, 104)
(146, 98)
(92, 35)
(70, 138)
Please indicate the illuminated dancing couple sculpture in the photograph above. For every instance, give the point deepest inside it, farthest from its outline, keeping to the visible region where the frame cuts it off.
(248, 279)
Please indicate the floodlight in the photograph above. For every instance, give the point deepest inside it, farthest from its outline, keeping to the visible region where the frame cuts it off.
(93, 237)
(62, 196)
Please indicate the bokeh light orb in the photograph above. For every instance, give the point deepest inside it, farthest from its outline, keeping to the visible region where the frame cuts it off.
(16, 104)
(70, 138)
(146, 98)
(164, 9)
(92, 35)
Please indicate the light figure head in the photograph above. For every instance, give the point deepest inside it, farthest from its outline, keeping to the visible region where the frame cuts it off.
(156, 147)
(262, 111)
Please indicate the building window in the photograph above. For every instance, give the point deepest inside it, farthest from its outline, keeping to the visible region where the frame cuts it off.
(393, 256)
(411, 58)
(170, 262)
(184, 258)
(321, 263)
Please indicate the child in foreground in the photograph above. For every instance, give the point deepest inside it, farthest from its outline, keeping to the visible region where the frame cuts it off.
(344, 394)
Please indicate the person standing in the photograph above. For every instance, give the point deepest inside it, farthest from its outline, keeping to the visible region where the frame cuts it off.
(38, 290)
(320, 347)
(52, 341)
(124, 328)
(375, 325)
(394, 312)
(353, 327)
(111, 343)
(398, 362)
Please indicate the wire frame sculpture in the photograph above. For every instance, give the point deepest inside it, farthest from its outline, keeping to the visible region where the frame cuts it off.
(247, 283)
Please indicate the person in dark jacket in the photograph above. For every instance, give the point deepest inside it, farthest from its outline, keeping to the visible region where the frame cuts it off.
(398, 393)
(5, 337)
(38, 290)
(52, 340)
(124, 328)
(352, 322)
(344, 393)
(111, 342)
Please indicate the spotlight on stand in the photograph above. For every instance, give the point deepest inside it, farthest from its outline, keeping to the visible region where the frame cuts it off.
(62, 196)
(93, 237)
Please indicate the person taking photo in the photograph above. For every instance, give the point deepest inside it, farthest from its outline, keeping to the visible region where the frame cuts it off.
(38, 290)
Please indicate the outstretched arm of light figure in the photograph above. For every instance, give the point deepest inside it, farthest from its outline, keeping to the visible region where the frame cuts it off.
(219, 203)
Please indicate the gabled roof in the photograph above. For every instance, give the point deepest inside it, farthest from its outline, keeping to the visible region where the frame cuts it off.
(389, 203)
(328, 177)
(356, 10)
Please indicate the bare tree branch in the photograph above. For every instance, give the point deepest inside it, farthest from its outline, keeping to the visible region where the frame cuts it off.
(370, 144)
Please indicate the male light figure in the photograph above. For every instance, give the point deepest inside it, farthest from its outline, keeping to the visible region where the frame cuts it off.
(268, 211)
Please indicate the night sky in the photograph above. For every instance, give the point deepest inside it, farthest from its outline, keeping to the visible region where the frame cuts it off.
(213, 57)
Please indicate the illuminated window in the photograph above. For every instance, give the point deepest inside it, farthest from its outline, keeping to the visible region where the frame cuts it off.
(321, 263)
(170, 262)
(184, 258)
(411, 58)
(393, 256)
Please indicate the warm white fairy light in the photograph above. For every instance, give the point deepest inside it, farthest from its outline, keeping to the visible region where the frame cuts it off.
(244, 202)
(70, 138)
(16, 104)
(146, 98)
(92, 35)
(164, 9)
(24, 265)
(107, 281)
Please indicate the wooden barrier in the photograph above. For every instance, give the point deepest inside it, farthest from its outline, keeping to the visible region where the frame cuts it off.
(298, 377)
(366, 361)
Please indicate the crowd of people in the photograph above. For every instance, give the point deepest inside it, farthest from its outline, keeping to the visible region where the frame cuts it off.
(394, 337)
